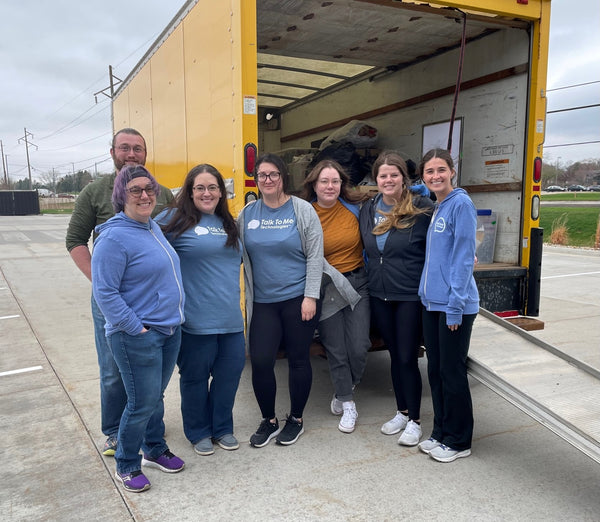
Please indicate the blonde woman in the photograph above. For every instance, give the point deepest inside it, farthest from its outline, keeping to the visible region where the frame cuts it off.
(393, 226)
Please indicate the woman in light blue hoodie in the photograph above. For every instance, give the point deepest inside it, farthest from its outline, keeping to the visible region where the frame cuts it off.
(449, 295)
(137, 284)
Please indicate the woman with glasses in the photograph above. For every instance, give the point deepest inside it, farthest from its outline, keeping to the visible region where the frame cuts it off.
(343, 330)
(203, 232)
(136, 282)
(283, 262)
(393, 227)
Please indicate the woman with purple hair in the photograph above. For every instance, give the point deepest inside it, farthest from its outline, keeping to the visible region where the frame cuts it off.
(136, 282)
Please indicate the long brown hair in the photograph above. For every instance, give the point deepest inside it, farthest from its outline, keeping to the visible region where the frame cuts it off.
(404, 212)
(186, 214)
(347, 193)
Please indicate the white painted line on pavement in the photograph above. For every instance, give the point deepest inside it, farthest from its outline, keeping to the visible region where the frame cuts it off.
(22, 370)
(9, 317)
(570, 275)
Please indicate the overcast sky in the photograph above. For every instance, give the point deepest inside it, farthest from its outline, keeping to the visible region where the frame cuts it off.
(55, 55)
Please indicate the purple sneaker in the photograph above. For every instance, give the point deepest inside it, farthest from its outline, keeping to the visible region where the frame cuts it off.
(135, 481)
(167, 462)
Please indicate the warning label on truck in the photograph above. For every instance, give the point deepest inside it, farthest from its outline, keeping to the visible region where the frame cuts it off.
(249, 105)
(496, 168)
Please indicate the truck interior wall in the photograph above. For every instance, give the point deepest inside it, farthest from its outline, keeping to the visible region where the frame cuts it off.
(494, 115)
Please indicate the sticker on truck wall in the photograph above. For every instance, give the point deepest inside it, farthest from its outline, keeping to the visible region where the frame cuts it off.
(250, 105)
(495, 169)
(539, 126)
(497, 150)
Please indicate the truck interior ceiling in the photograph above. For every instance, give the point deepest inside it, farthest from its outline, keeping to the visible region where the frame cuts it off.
(310, 48)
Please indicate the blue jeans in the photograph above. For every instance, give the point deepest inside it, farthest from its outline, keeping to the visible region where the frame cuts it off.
(146, 362)
(207, 409)
(112, 392)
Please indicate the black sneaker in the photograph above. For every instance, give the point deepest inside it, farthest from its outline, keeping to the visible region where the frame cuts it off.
(291, 431)
(265, 432)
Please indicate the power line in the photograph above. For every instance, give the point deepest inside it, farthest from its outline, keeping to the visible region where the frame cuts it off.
(77, 144)
(571, 86)
(66, 126)
(571, 144)
(574, 108)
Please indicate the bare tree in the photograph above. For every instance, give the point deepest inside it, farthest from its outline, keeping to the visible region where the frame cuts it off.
(50, 179)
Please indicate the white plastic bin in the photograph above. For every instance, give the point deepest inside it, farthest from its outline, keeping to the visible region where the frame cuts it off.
(487, 222)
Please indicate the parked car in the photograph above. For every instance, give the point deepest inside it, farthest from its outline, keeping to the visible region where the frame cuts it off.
(594, 188)
(555, 188)
(576, 188)
(64, 195)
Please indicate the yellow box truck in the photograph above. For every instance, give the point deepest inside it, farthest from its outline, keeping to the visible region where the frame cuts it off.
(230, 79)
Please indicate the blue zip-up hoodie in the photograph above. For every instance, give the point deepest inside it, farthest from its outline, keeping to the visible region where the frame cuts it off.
(136, 277)
(447, 283)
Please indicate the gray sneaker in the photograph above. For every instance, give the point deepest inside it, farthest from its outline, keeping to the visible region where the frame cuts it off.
(228, 442)
(204, 447)
(445, 453)
(427, 445)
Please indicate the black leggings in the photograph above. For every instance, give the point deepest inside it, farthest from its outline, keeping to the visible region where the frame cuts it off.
(274, 325)
(447, 353)
(400, 326)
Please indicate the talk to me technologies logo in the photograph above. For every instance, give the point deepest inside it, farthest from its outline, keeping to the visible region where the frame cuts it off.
(270, 223)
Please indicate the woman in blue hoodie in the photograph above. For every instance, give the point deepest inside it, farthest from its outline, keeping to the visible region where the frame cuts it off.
(449, 294)
(137, 284)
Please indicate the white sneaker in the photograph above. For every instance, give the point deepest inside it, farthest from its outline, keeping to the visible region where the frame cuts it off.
(411, 434)
(349, 417)
(336, 406)
(396, 425)
(427, 445)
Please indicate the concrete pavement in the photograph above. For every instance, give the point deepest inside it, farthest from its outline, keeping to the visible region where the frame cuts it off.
(50, 422)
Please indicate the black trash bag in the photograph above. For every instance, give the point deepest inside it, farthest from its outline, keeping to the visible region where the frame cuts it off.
(345, 154)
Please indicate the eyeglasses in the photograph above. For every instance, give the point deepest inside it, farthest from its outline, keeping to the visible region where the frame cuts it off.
(334, 182)
(136, 192)
(273, 176)
(213, 189)
(126, 148)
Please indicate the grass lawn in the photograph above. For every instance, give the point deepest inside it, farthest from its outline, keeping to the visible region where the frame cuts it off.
(572, 196)
(581, 223)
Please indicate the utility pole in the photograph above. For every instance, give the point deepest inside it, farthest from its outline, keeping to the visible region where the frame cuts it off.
(111, 88)
(111, 93)
(4, 164)
(27, 143)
